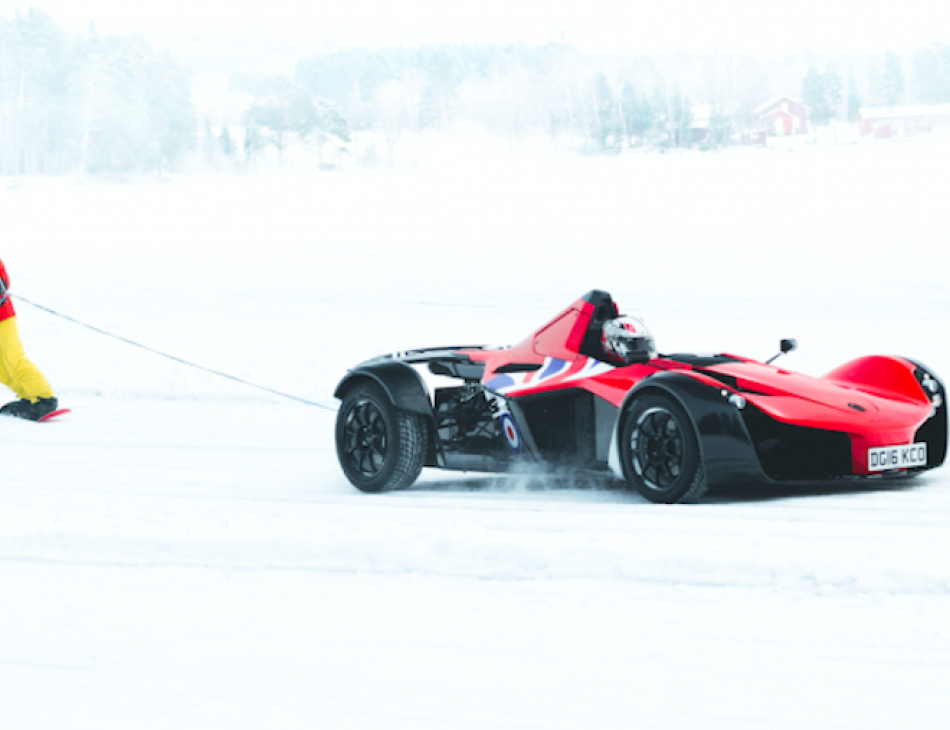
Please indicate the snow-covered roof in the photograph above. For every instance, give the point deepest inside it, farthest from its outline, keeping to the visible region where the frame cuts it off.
(901, 112)
(702, 114)
(776, 99)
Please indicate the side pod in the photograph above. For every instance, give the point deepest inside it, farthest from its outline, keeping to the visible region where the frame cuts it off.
(727, 452)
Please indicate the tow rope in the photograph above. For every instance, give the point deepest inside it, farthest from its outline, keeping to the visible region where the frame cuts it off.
(171, 357)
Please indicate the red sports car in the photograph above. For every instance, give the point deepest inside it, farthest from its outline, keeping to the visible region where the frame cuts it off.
(588, 392)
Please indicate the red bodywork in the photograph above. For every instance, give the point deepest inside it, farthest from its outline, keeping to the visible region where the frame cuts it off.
(6, 308)
(876, 400)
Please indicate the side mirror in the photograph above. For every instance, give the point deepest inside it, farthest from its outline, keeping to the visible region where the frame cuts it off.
(785, 346)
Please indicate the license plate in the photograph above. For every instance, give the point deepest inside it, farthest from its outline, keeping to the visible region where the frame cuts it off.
(907, 456)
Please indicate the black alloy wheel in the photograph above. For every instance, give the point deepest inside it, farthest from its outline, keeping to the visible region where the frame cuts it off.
(660, 451)
(365, 441)
(379, 446)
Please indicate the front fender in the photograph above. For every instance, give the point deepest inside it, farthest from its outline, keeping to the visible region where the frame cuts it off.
(934, 430)
(726, 449)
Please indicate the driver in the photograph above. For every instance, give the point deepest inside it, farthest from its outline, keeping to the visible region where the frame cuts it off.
(626, 340)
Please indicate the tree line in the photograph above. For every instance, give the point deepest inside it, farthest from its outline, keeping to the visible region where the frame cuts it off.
(82, 102)
(889, 80)
(88, 103)
(589, 103)
(601, 103)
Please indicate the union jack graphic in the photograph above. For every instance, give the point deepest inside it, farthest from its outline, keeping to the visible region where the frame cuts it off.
(552, 372)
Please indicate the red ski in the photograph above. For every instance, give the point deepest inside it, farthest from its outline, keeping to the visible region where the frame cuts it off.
(54, 414)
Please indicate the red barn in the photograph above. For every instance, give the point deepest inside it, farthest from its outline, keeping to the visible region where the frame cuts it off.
(891, 121)
(782, 116)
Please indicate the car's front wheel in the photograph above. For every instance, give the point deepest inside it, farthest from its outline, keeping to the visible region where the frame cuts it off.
(380, 447)
(659, 450)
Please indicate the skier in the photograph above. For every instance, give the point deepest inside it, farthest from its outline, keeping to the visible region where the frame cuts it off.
(19, 374)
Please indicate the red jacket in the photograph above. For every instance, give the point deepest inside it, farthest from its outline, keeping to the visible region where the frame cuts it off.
(6, 311)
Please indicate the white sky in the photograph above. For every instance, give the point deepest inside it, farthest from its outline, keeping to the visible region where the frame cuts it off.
(758, 26)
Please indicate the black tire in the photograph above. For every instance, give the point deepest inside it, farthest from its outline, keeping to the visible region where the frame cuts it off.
(380, 447)
(659, 451)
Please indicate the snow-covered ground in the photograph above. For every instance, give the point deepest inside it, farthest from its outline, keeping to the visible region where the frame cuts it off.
(183, 551)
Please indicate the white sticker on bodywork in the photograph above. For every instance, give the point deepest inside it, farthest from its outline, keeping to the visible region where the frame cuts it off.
(497, 404)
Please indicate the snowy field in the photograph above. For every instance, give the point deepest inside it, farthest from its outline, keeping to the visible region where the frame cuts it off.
(183, 552)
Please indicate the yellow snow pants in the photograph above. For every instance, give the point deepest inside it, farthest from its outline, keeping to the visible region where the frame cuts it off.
(16, 372)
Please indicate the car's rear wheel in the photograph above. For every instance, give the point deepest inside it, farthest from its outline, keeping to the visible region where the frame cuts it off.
(380, 447)
(660, 451)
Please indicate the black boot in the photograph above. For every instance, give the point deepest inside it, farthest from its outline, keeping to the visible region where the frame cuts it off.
(30, 411)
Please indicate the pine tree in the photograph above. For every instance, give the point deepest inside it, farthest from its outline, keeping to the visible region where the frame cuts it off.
(208, 148)
(445, 68)
(720, 124)
(834, 91)
(932, 74)
(680, 117)
(641, 116)
(331, 127)
(226, 143)
(853, 98)
(605, 124)
(876, 95)
(893, 79)
(34, 112)
(280, 111)
(252, 142)
(815, 96)
(133, 109)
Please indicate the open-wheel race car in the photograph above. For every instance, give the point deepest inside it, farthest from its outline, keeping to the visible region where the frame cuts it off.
(588, 392)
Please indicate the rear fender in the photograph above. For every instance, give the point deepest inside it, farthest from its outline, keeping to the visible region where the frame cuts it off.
(405, 389)
(726, 450)
(402, 384)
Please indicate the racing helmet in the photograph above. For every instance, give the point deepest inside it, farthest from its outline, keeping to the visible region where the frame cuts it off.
(626, 340)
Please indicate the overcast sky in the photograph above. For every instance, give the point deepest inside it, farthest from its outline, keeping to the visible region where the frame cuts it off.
(758, 26)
